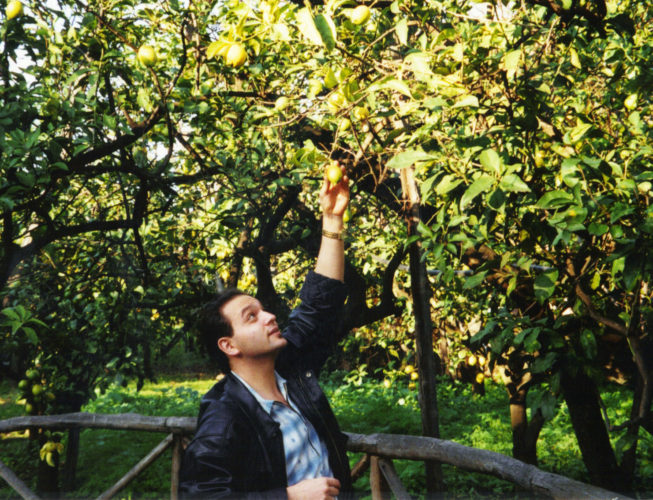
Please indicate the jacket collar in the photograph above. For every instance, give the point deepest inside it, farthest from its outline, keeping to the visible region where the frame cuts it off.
(237, 391)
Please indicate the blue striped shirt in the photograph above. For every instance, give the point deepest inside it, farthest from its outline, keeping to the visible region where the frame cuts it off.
(307, 456)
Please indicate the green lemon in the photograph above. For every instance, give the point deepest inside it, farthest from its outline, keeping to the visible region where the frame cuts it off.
(147, 55)
(360, 14)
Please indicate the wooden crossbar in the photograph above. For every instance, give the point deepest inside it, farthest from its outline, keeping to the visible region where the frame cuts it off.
(392, 478)
(8, 475)
(380, 447)
(138, 468)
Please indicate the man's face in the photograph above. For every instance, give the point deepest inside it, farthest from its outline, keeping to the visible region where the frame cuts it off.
(255, 331)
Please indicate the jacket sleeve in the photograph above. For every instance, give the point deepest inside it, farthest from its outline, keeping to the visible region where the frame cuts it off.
(206, 472)
(314, 326)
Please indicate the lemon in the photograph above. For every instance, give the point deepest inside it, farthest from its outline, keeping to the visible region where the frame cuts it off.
(236, 55)
(147, 55)
(334, 173)
(330, 79)
(281, 103)
(335, 101)
(14, 9)
(360, 14)
(631, 102)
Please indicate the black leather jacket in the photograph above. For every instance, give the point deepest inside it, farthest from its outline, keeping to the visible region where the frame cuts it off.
(237, 450)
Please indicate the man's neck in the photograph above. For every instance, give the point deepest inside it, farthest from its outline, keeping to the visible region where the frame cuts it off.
(260, 376)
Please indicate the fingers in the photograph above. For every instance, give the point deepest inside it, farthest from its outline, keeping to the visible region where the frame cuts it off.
(318, 489)
(333, 486)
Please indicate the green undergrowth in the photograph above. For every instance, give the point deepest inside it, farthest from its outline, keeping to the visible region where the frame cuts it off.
(362, 406)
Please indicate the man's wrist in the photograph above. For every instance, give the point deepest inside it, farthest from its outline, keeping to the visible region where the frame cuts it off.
(332, 223)
(334, 235)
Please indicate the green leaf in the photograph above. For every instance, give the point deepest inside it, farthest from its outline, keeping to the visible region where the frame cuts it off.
(570, 172)
(327, 30)
(553, 199)
(543, 363)
(596, 280)
(409, 158)
(401, 28)
(448, 182)
(545, 285)
(31, 335)
(620, 210)
(143, 99)
(480, 185)
(588, 343)
(490, 160)
(398, 86)
(109, 121)
(511, 60)
(574, 59)
(420, 65)
(597, 229)
(26, 179)
(474, 280)
(632, 271)
(544, 400)
(579, 131)
(497, 200)
(514, 184)
(11, 314)
(466, 101)
(307, 27)
(7, 203)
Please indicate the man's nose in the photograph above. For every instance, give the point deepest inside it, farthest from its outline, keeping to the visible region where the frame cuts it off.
(269, 317)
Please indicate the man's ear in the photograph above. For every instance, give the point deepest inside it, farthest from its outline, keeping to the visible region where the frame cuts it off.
(226, 345)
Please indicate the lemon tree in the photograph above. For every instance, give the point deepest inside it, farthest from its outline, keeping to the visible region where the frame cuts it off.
(132, 188)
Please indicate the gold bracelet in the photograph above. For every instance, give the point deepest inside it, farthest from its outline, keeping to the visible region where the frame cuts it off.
(331, 234)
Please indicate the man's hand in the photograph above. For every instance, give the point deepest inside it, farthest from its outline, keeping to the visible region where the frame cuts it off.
(320, 488)
(334, 197)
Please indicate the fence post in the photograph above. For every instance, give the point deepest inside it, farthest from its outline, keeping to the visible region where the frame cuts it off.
(177, 450)
(378, 484)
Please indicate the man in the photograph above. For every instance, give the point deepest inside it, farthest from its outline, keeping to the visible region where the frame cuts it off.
(266, 430)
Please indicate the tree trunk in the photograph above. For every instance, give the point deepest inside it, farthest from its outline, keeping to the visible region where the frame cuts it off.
(426, 357)
(524, 433)
(70, 466)
(580, 395)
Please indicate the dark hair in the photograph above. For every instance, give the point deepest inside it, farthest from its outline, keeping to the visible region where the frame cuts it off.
(213, 326)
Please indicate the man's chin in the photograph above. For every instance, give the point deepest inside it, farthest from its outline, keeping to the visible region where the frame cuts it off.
(278, 338)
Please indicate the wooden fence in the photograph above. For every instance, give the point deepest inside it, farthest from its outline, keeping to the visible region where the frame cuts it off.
(379, 450)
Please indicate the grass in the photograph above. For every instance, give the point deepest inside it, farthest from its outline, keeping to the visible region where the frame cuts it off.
(362, 406)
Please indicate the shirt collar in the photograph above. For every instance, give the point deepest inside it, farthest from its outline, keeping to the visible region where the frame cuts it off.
(266, 403)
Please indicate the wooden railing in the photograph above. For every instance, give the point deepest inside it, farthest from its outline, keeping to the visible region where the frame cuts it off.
(379, 450)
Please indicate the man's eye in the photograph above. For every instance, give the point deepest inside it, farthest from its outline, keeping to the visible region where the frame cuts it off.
(251, 316)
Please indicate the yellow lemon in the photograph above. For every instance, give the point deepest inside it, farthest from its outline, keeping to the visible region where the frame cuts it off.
(14, 9)
(334, 173)
(236, 55)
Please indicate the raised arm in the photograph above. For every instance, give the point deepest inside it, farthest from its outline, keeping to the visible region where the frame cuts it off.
(334, 199)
